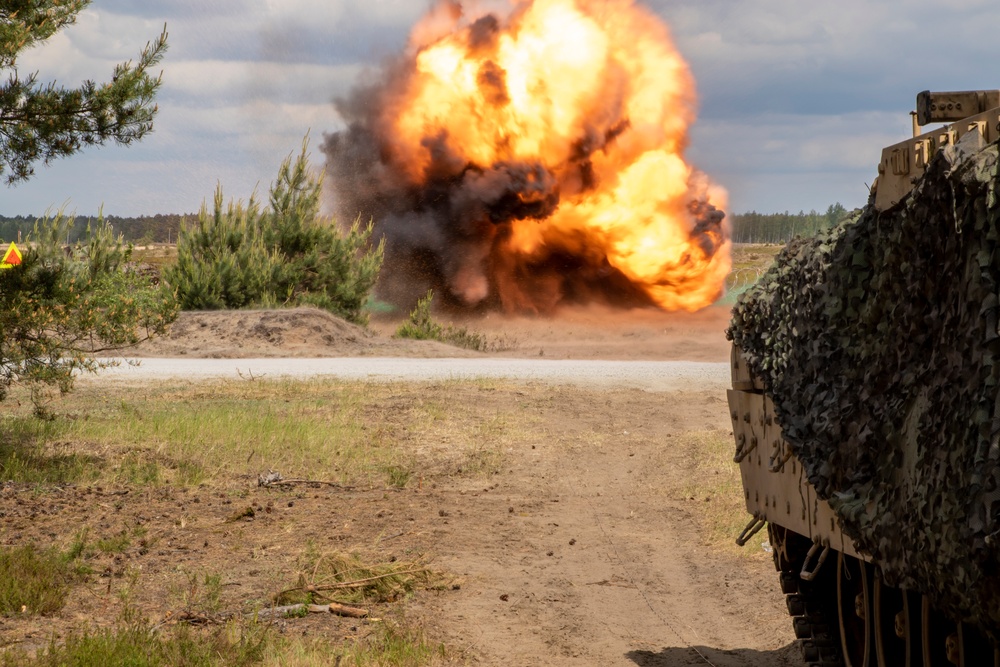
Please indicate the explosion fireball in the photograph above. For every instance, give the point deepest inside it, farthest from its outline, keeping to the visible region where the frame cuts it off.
(529, 156)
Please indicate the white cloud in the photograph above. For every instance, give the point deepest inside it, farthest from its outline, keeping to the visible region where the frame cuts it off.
(797, 99)
(784, 162)
(214, 82)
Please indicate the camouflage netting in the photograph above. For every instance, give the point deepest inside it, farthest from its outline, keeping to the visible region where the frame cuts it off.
(878, 342)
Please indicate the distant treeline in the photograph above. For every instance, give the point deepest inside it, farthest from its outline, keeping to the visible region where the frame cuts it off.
(750, 227)
(144, 229)
(756, 227)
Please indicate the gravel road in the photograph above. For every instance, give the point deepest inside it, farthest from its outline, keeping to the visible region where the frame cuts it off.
(647, 375)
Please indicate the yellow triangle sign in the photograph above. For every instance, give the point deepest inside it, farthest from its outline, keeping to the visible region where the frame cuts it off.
(11, 258)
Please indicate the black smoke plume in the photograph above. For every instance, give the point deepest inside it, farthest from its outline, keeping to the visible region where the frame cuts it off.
(448, 232)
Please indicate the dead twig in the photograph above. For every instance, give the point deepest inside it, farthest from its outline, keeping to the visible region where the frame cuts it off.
(274, 478)
(249, 375)
(293, 482)
(392, 537)
(286, 611)
(333, 608)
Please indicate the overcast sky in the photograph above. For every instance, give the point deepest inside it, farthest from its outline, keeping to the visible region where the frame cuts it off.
(796, 98)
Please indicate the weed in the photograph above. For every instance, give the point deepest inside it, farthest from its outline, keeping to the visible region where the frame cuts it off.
(398, 476)
(190, 473)
(422, 326)
(199, 592)
(115, 544)
(35, 581)
(78, 546)
(136, 643)
(297, 612)
(138, 467)
(394, 645)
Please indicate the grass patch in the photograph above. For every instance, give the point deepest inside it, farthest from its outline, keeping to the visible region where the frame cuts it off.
(184, 435)
(32, 451)
(114, 544)
(200, 593)
(385, 644)
(717, 487)
(36, 581)
(397, 476)
(393, 645)
(491, 437)
(422, 326)
(199, 433)
(137, 643)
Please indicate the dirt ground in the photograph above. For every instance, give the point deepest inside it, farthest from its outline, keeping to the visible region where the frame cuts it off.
(585, 333)
(585, 548)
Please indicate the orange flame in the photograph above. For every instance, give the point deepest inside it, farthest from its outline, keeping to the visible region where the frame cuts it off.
(595, 93)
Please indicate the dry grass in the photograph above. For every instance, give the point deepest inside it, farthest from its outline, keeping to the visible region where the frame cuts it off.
(717, 486)
(353, 578)
(192, 434)
(352, 433)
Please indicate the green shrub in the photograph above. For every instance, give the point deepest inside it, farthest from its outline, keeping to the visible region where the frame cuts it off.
(285, 254)
(65, 303)
(422, 326)
(35, 581)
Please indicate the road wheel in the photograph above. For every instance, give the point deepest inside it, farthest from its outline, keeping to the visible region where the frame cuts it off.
(856, 611)
(939, 637)
(897, 626)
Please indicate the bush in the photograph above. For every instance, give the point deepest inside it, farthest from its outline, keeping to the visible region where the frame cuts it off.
(66, 303)
(35, 581)
(422, 326)
(287, 254)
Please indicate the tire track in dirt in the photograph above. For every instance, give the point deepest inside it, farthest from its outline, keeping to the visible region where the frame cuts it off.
(590, 560)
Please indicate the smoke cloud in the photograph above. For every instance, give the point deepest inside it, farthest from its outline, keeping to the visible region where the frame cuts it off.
(506, 175)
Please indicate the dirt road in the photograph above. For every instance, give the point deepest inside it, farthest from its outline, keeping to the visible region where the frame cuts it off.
(602, 560)
(590, 545)
(648, 375)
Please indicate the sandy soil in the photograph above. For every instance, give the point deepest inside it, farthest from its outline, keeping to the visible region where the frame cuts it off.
(593, 333)
(573, 554)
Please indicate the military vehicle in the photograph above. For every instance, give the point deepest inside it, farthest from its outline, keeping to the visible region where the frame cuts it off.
(866, 407)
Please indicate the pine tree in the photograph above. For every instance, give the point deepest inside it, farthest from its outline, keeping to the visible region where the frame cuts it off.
(64, 304)
(43, 121)
(287, 254)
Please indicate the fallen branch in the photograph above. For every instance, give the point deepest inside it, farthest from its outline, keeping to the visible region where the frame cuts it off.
(274, 478)
(292, 610)
(332, 608)
(292, 482)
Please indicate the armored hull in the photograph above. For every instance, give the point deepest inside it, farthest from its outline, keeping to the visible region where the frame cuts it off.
(866, 411)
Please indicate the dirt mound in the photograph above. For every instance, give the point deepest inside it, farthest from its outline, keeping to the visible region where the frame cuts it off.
(293, 332)
(581, 333)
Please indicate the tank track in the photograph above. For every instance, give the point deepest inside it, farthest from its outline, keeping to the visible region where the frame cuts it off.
(811, 604)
